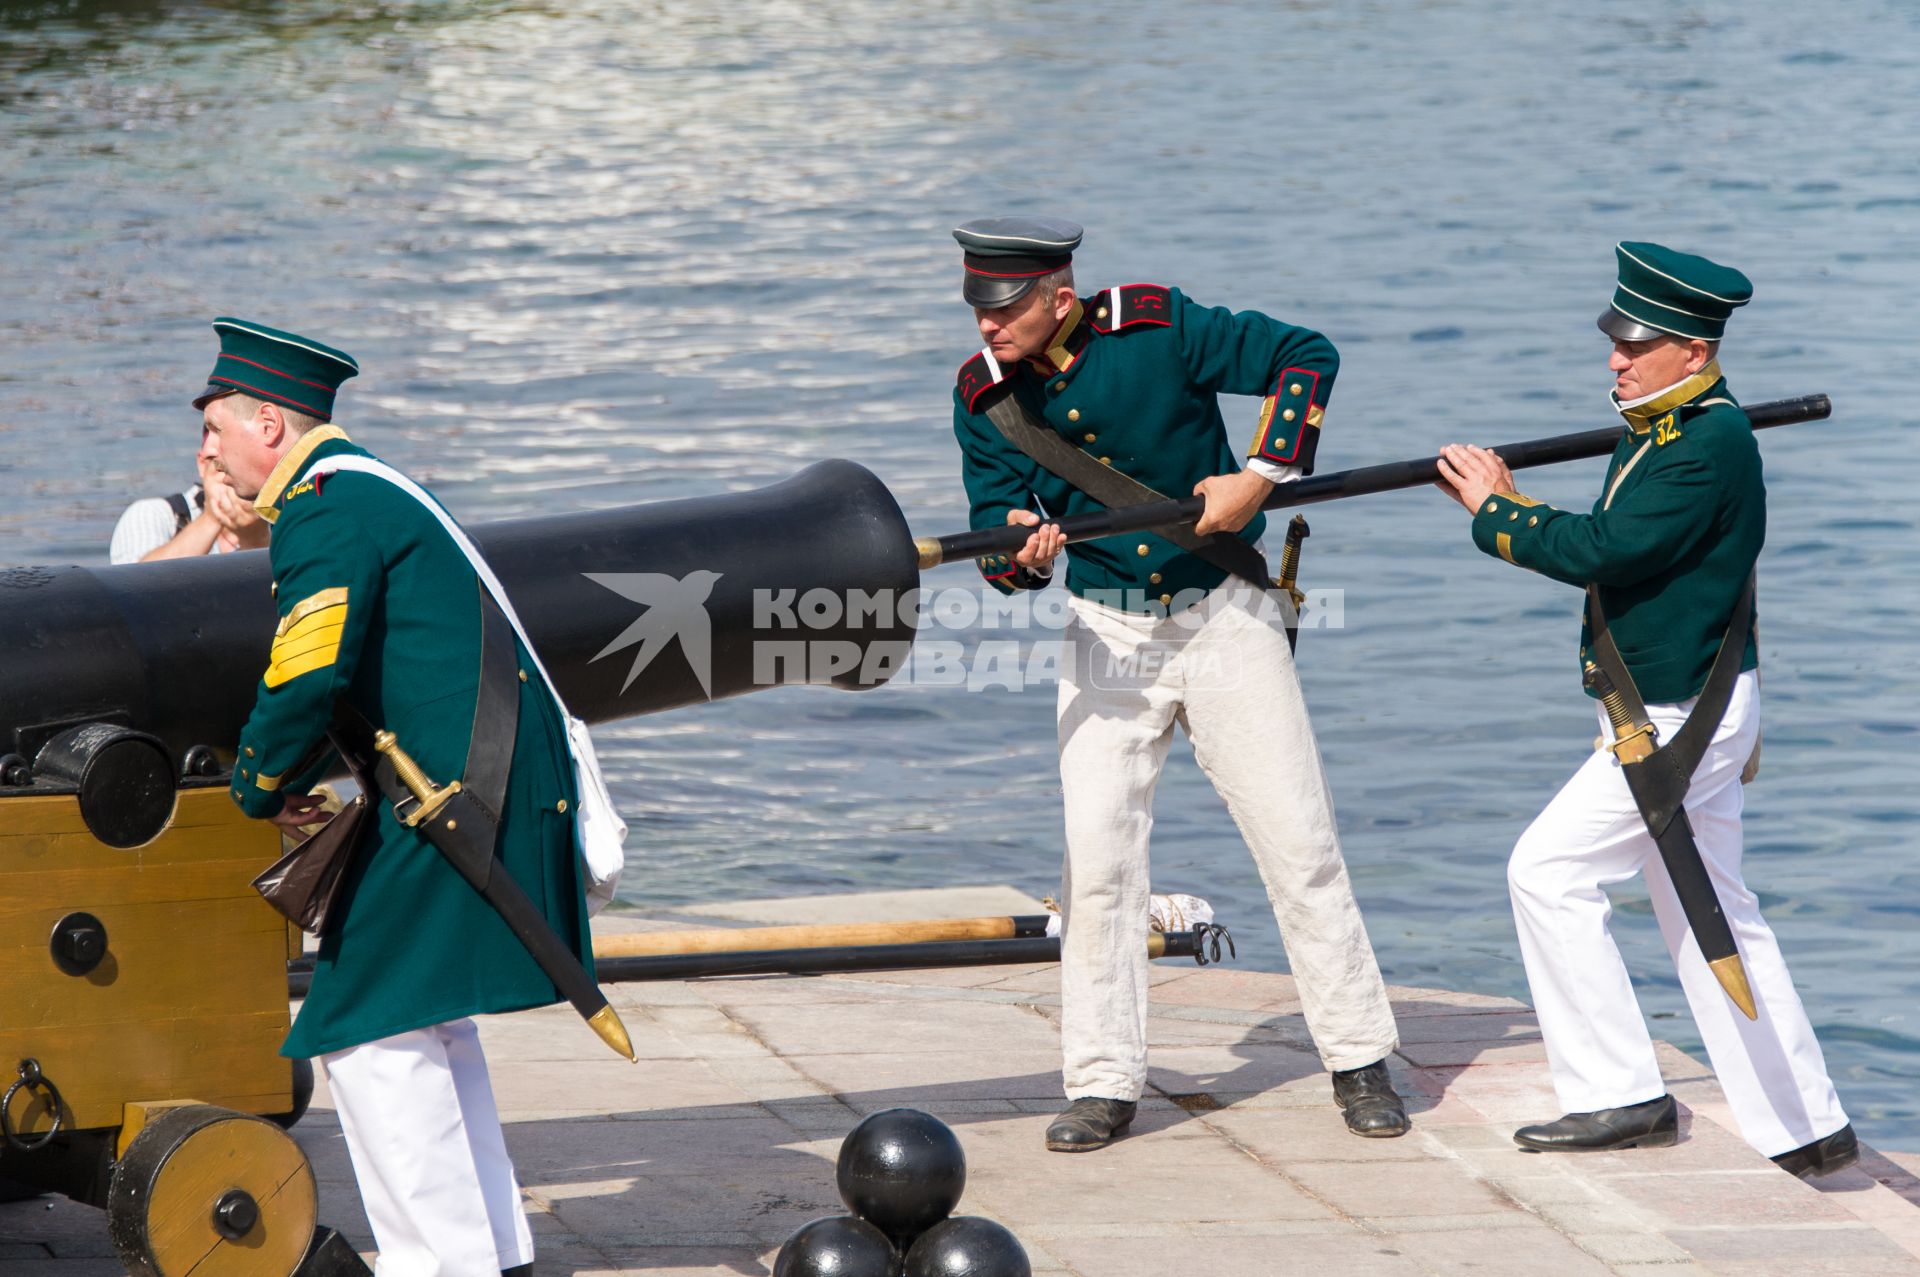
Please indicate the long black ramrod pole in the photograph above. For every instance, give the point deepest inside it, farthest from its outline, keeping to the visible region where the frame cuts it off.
(871, 957)
(1363, 481)
(1202, 944)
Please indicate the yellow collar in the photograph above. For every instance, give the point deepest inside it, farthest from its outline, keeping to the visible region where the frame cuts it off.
(1640, 416)
(267, 504)
(1057, 353)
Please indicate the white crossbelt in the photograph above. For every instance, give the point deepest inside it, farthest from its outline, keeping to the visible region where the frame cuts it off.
(599, 831)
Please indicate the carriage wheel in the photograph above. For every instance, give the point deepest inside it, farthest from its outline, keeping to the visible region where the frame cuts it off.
(207, 1192)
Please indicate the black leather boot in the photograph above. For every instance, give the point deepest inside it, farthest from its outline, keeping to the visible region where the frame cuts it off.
(1373, 1108)
(1089, 1124)
(1654, 1124)
(1822, 1157)
(518, 1270)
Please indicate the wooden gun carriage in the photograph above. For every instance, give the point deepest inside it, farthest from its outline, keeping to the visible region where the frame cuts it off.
(143, 1000)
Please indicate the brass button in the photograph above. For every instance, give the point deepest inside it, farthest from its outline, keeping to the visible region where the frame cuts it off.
(249, 751)
(1073, 414)
(244, 775)
(1059, 385)
(453, 824)
(1535, 519)
(1511, 517)
(1101, 313)
(1492, 506)
(523, 676)
(1165, 599)
(561, 806)
(1288, 415)
(1294, 389)
(1278, 444)
(1106, 461)
(1155, 578)
(1142, 551)
(1090, 436)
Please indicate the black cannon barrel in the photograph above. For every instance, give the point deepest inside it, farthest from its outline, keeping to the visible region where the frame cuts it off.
(176, 647)
(1362, 481)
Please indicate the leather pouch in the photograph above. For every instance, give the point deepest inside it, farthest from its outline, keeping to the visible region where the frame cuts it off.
(304, 883)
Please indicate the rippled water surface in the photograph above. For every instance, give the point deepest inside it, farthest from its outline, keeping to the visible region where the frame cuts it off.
(595, 254)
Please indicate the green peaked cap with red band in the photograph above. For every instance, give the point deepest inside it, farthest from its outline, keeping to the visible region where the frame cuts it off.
(1663, 291)
(280, 367)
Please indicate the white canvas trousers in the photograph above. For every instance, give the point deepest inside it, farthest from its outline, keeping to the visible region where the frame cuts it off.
(1222, 671)
(1591, 836)
(417, 1110)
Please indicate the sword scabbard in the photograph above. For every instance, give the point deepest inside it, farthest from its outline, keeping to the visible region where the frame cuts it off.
(455, 823)
(1635, 742)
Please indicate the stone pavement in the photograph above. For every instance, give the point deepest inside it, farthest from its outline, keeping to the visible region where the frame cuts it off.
(704, 1158)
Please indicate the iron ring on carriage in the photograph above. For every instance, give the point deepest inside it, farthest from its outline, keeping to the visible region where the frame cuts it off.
(40, 1086)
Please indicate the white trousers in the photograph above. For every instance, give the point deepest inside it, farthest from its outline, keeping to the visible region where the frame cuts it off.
(440, 1192)
(1590, 836)
(1222, 671)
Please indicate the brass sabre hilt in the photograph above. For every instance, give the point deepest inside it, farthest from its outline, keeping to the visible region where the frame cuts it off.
(428, 797)
(1631, 744)
(1289, 578)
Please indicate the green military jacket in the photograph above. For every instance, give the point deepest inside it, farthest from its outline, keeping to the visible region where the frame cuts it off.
(1671, 540)
(1132, 377)
(380, 608)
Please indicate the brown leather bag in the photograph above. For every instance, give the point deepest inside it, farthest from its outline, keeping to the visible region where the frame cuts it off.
(304, 883)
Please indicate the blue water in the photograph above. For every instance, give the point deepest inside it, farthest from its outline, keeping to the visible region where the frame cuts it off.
(596, 254)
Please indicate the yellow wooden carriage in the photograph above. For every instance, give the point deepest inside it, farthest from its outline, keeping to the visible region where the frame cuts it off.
(143, 1000)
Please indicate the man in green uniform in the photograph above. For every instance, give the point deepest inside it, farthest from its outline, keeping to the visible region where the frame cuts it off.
(1162, 634)
(1669, 547)
(380, 613)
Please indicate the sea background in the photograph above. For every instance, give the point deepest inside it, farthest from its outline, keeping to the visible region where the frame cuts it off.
(600, 253)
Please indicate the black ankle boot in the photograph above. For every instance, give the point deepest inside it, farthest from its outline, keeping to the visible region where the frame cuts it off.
(1373, 1108)
(1822, 1157)
(1654, 1124)
(1089, 1124)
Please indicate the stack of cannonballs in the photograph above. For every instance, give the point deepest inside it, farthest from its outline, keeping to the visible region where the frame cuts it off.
(901, 1173)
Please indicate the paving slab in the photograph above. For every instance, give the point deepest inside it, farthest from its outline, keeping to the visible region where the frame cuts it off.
(705, 1156)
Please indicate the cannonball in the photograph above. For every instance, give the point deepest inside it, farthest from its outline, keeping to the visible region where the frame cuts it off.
(839, 1246)
(967, 1246)
(901, 1170)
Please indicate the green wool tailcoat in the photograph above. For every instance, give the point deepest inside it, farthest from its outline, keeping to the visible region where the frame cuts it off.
(1670, 541)
(379, 608)
(1132, 379)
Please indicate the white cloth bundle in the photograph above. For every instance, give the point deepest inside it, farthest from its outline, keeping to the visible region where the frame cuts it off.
(1164, 913)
